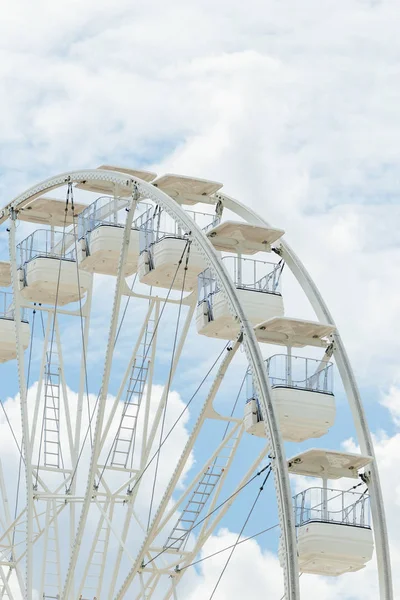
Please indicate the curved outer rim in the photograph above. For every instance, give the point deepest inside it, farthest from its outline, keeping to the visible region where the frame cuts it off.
(317, 302)
(353, 394)
(282, 483)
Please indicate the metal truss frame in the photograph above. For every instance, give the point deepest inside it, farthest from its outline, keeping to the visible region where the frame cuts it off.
(146, 566)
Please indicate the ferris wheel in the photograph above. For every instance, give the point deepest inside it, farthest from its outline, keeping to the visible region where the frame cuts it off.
(134, 449)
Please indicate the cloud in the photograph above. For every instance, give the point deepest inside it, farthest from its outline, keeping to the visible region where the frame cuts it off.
(294, 109)
(295, 113)
(392, 402)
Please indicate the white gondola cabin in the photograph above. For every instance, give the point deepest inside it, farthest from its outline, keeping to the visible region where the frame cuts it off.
(258, 287)
(167, 258)
(334, 548)
(8, 344)
(100, 233)
(47, 268)
(333, 531)
(302, 393)
(333, 526)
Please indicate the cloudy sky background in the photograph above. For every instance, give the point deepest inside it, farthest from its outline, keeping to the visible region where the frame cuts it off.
(293, 106)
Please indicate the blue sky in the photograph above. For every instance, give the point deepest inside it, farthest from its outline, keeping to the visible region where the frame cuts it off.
(293, 107)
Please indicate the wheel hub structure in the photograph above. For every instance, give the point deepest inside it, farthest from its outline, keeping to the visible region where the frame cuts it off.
(155, 384)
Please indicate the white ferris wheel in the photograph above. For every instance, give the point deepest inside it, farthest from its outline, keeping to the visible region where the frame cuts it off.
(109, 504)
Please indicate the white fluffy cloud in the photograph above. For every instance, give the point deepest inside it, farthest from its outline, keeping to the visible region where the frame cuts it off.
(294, 108)
(295, 111)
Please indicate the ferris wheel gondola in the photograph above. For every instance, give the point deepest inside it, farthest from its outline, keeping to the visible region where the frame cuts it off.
(103, 470)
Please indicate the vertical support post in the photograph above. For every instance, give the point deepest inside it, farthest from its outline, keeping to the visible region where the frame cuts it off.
(23, 407)
(90, 485)
(78, 423)
(142, 585)
(115, 211)
(239, 270)
(8, 521)
(156, 316)
(289, 366)
(174, 589)
(303, 499)
(324, 499)
(82, 381)
(45, 549)
(307, 382)
(343, 506)
(52, 244)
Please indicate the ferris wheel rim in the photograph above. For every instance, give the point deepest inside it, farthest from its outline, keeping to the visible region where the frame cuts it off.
(353, 394)
(323, 314)
(250, 343)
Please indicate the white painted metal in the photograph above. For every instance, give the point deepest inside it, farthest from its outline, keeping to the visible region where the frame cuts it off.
(330, 464)
(302, 414)
(158, 265)
(353, 395)
(26, 447)
(234, 236)
(187, 190)
(302, 391)
(67, 591)
(39, 282)
(85, 309)
(204, 487)
(93, 574)
(5, 589)
(106, 497)
(124, 443)
(255, 359)
(49, 211)
(51, 564)
(145, 175)
(141, 340)
(118, 187)
(68, 449)
(99, 253)
(295, 333)
(331, 549)
(8, 346)
(214, 318)
(51, 413)
(155, 526)
(5, 273)
(10, 543)
(211, 524)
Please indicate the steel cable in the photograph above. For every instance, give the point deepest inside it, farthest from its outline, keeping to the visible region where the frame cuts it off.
(240, 534)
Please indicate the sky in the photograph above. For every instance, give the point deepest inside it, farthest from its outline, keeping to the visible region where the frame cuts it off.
(294, 108)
